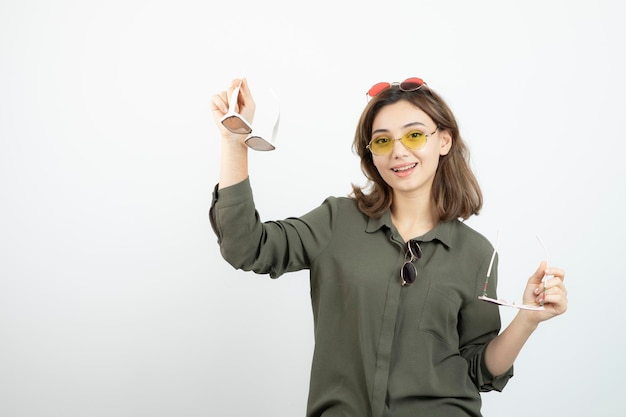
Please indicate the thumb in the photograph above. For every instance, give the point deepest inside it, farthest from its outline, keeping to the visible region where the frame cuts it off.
(538, 275)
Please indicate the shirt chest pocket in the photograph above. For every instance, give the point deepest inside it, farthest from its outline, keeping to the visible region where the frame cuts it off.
(439, 315)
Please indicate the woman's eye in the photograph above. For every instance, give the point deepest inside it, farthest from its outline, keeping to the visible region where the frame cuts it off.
(381, 141)
(416, 134)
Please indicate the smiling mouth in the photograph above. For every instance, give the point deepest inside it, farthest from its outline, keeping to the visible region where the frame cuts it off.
(404, 168)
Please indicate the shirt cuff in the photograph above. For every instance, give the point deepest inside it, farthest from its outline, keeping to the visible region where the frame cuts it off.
(225, 197)
(233, 194)
(488, 382)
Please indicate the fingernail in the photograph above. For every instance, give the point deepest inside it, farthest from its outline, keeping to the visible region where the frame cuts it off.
(537, 290)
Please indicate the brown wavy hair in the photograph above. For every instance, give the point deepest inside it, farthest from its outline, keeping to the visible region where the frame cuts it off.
(455, 190)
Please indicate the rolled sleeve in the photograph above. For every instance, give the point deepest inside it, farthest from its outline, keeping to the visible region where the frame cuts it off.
(479, 323)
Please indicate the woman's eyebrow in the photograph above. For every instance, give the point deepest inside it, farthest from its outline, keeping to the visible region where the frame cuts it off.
(404, 127)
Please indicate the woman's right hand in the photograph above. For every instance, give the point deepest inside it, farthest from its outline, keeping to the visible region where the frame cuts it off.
(234, 155)
(245, 107)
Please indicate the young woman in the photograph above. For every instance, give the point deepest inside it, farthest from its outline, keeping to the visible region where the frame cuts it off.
(395, 274)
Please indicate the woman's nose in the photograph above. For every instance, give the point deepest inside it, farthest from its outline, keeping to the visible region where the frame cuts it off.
(399, 149)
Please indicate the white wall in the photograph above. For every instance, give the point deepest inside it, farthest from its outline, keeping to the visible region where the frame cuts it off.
(114, 300)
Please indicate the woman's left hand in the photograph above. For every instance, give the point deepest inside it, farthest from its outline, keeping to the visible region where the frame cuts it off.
(553, 294)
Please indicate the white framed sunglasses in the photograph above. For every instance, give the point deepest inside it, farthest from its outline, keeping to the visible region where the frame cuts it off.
(513, 304)
(236, 123)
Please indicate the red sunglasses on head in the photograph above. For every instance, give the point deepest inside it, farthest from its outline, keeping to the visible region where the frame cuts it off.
(410, 84)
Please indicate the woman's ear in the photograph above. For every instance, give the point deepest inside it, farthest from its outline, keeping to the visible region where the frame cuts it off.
(445, 142)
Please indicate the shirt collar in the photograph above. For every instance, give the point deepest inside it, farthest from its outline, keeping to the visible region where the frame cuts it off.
(443, 232)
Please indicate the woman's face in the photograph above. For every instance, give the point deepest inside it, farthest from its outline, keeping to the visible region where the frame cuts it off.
(408, 171)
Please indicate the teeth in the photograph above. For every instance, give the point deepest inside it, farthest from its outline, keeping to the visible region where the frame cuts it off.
(404, 168)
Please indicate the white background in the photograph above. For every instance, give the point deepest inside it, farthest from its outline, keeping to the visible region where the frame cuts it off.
(114, 299)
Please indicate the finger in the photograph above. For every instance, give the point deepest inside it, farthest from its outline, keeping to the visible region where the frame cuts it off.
(538, 275)
(245, 90)
(552, 285)
(240, 97)
(556, 300)
(556, 285)
(555, 288)
(220, 102)
(245, 94)
(557, 272)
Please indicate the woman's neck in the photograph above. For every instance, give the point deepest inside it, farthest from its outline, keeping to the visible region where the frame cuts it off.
(413, 216)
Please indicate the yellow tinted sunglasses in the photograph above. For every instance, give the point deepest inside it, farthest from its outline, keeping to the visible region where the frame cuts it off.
(415, 139)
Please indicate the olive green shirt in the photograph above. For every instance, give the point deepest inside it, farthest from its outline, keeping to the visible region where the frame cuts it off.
(381, 349)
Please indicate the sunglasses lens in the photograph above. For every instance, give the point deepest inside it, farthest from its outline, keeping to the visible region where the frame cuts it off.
(259, 144)
(415, 249)
(377, 88)
(381, 146)
(236, 125)
(411, 84)
(408, 273)
(415, 139)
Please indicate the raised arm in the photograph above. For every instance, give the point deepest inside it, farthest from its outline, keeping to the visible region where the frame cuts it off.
(234, 156)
